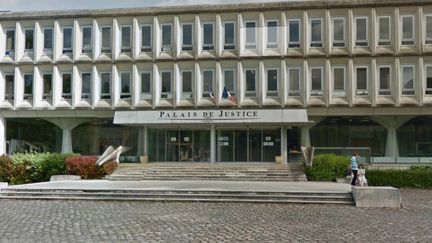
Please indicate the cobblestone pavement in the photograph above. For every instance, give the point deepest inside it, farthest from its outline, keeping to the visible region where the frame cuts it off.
(90, 221)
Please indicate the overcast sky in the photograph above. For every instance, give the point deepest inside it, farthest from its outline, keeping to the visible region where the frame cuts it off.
(38, 5)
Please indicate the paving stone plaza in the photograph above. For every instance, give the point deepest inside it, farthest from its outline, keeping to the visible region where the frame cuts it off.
(106, 221)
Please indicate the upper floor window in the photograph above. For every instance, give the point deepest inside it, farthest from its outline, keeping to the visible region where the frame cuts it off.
(229, 81)
(187, 37)
(250, 83)
(208, 36)
(293, 81)
(294, 33)
(272, 82)
(316, 81)
(250, 35)
(86, 79)
(429, 80)
(207, 79)
(272, 34)
(10, 43)
(9, 86)
(361, 80)
(67, 85)
(339, 81)
(408, 79)
(87, 40)
(48, 40)
(338, 32)
(28, 86)
(166, 85)
(384, 31)
(47, 79)
(186, 84)
(166, 37)
(126, 38)
(316, 33)
(407, 30)
(146, 85)
(29, 39)
(229, 36)
(428, 29)
(146, 38)
(384, 80)
(361, 31)
(67, 40)
(106, 40)
(125, 85)
(105, 79)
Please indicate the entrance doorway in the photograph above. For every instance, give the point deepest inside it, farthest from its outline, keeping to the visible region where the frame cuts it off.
(294, 145)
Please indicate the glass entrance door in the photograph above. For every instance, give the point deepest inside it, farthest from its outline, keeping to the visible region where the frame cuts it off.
(186, 146)
(293, 143)
(172, 145)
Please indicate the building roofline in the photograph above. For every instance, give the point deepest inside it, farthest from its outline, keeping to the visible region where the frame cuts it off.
(209, 8)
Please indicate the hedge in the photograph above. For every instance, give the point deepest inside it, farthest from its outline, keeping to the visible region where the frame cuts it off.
(327, 167)
(415, 177)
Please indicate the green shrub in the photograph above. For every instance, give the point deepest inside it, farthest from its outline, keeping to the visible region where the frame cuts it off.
(414, 178)
(6, 168)
(327, 167)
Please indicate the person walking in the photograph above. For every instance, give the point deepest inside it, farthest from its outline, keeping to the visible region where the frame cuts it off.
(354, 168)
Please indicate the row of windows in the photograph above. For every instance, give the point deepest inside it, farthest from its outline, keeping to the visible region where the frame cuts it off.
(338, 38)
(339, 82)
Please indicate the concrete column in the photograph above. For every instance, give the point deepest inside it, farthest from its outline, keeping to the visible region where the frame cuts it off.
(392, 149)
(2, 135)
(284, 142)
(145, 141)
(305, 137)
(67, 124)
(212, 144)
(67, 141)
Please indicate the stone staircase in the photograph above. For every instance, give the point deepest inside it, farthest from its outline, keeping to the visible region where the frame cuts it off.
(201, 171)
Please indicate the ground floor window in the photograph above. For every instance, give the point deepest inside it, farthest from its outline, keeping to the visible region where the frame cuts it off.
(94, 137)
(415, 137)
(32, 135)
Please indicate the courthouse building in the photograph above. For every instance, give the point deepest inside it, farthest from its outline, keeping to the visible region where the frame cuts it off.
(221, 83)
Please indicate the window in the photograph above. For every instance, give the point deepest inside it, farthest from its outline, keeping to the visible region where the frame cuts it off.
(146, 85)
(407, 30)
(166, 37)
(361, 31)
(428, 29)
(429, 80)
(106, 40)
(250, 83)
(146, 38)
(10, 42)
(250, 35)
(208, 36)
(47, 86)
(48, 40)
(67, 86)
(293, 33)
(166, 85)
(105, 86)
(384, 80)
(384, 31)
(87, 40)
(229, 36)
(229, 81)
(186, 85)
(126, 37)
(86, 79)
(272, 83)
(316, 81)
(125, 85)
(361, 80)
(293, 81)
(28, 86)
(316, 33)
(338, 32)
(29, 34)
(408, 79)
(207, 88)
(9, 87)
(67, 40)
(339, 81)
(272, 34)
(187, 37)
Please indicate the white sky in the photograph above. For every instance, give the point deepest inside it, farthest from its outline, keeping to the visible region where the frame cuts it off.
(39, 5)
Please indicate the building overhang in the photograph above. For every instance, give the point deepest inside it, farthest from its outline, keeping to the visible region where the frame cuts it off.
(217, 116)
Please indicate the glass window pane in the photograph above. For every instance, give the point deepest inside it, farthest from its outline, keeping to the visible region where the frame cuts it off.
(87, 38)
(338, 30)
(229, 80)
(294, 79)
(294, 31)
(407, 28)
(250, 80)
(187, 81)
(86, 83)
(187, 34)
(384, 78)
(429, 27)
(339, 79)
(125, 82)
(208, 34)
(106, 38)
(229, 33)
(361, 29)
(316, 30)
(361, 78)
(166, 82)
(146, 83)
(166, 35)
(67, 38)
(9, 92)
(316, 79)
(250, 33)
(126, 37)
(384, 28)
(429, 77)
(29, 39)
(272, 80)
(146, 36)
(272, 34)
(48, 38)
(67, 84)
(207, 81)
(28, 84)
(10, 39)
(47, 84)
(408, 77)
(106, 85)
